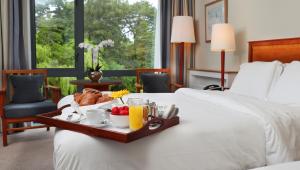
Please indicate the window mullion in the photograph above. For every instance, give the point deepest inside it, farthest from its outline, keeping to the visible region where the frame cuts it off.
(79, 37)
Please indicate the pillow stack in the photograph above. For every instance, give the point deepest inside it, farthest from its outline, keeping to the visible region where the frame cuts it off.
(271, 81)
(256, 79)
(286, 89)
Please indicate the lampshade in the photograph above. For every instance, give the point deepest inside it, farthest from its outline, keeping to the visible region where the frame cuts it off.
(222, 38)
(183, 30)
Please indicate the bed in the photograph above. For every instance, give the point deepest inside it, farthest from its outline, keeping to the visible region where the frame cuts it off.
(286, 166)
(218, 130)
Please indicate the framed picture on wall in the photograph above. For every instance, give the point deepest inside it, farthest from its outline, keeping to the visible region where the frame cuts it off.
(215, 13)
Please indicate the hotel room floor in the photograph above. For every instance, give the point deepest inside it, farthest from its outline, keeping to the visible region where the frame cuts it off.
(29, 150)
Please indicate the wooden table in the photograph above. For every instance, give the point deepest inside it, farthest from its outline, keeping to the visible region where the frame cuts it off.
(103, 85)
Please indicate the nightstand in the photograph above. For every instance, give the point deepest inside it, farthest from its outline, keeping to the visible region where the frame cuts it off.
(200, 78)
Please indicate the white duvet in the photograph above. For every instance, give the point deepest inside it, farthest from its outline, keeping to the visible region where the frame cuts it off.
(218, 130)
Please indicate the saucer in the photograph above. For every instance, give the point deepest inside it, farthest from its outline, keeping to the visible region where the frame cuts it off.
(98, 125)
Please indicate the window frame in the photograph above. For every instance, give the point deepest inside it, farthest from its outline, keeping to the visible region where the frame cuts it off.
(78, 70)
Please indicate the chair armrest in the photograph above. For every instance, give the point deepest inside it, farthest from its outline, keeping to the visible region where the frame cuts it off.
(176, 85)
(2, 91)
(138, 87)
(2, 101)
(55, 93)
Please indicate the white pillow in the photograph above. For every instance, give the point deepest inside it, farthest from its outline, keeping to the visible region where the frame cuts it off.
(255, 79)
(278, 72)
(286, 90)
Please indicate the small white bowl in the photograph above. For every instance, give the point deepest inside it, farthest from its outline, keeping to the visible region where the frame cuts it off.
(120, 121)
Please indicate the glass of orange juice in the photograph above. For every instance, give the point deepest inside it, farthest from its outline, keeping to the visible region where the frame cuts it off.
(136, 120)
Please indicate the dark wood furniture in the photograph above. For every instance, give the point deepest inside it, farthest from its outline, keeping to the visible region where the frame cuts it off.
(163, 124)
(140, 71)
(103, 85)
(284, 50)
(55, 95)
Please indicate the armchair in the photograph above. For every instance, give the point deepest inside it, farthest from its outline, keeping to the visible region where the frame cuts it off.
(159, 87)
(17, 112)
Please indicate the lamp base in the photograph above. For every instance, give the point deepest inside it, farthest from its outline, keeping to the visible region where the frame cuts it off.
(181, 63)
(222, 69)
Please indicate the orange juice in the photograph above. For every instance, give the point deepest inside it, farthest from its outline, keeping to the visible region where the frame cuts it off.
(136, 117)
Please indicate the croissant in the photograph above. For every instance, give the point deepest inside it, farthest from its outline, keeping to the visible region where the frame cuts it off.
(78, 97)
(104, 98)
(89, 90)
(89, 99)
(90, 96)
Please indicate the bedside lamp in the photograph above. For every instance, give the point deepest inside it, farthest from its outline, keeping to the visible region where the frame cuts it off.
(222, 40)
(182, 32)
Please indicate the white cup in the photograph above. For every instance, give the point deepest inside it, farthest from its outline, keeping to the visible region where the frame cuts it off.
(96, 116)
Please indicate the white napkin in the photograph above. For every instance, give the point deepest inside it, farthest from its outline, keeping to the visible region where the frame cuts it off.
(71, 117)
(167, 111)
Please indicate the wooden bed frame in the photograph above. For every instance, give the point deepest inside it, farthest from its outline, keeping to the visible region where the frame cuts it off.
(284, 50)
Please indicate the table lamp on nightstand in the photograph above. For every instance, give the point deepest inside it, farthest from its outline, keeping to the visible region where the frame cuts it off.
(222, 39)
(182, 32)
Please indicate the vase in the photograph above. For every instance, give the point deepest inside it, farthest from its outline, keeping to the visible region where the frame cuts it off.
(95, 76)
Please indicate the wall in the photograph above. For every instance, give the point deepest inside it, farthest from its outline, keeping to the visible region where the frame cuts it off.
(252, 20)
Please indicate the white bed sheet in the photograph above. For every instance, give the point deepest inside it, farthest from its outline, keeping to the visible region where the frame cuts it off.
(286, 166)
(217, 131)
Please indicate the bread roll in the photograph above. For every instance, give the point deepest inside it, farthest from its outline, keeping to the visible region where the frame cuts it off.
(89, 99)
(104, 98)
(78, 97)
(90, 96)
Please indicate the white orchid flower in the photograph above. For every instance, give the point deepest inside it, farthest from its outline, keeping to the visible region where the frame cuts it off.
(89, 47)
(81, 45)
(110, 43)
(85, 46)
(100, 45)
(94, 54)
(96, 48)
(106, 43)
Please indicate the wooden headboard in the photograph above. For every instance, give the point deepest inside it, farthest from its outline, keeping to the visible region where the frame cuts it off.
(284, 50)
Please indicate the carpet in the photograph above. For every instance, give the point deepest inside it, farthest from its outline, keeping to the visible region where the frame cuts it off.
(29, 150)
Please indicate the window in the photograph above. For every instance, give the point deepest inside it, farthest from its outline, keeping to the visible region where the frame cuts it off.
(131, 24)
(60, 25)
(54, 34)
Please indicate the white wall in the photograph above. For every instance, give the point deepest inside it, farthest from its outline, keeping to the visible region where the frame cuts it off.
(252, 20)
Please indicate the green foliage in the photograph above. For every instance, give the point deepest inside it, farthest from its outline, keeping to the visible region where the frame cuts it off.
(63, 83)
(128, 83)
(130, 26)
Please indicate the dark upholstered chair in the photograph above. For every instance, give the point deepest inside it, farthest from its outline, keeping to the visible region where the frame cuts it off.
(154, 80)
(29, 91)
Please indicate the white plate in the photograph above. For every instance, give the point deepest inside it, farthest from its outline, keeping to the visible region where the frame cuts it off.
(86, 122)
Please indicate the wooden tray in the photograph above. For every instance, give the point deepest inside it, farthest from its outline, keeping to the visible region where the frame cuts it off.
(47, 118)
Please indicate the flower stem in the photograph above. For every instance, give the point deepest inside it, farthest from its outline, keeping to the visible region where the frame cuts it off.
(93, 60)
(122, 100)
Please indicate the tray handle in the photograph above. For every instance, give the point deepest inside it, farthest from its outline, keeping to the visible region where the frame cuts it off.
(147, 129)
(159, 125)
